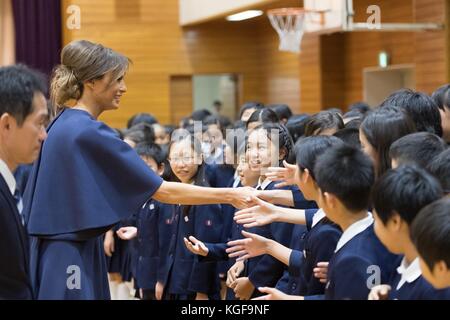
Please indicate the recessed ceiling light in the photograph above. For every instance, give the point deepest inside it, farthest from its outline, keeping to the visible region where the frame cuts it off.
(244, 15)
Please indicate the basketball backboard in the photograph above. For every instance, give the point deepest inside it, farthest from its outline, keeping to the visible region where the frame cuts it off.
(333, 16)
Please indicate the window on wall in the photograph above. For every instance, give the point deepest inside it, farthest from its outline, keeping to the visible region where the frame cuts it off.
(223, 88)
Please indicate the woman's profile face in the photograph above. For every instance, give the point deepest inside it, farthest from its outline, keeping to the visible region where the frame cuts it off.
(107, 93)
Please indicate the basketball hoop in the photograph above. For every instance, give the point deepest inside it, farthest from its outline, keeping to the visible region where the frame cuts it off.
(290, 26)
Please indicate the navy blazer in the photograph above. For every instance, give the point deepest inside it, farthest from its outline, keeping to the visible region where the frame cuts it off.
(15, 280)
(266, 270)
(187, 274)
(420, 289)
(320, 243)
(353, 269)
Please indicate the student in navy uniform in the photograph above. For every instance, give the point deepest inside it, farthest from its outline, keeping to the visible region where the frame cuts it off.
(345, 177)
(319, 242)
(217, 251)
(188, 278)
(429, 232)
(264, 151)
(145, 231)
(86, 179)
(23, 114)
(397, 198)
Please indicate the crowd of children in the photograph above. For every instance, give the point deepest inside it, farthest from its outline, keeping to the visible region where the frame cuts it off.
(333, 211)
(274, 206)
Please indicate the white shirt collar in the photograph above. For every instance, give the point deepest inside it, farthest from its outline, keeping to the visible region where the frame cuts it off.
(263, 185)
(354, 230)
(318, 216)
(236, 181)
(409, 273)
(8, 176)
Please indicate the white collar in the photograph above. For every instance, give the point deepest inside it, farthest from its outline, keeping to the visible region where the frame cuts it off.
(354, 230)
(318, 216)
(263, 185)
(409, 273)
(8, 176)
(236, 181)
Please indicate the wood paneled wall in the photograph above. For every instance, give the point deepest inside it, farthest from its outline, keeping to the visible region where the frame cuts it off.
(148, 32)
(327, 73)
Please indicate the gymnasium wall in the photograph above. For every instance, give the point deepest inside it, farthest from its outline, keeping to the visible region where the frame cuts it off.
(327, 73)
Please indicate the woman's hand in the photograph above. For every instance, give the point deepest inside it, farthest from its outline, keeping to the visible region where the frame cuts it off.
(108, 243)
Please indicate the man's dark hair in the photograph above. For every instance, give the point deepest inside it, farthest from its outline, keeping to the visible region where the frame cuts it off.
(18, 85)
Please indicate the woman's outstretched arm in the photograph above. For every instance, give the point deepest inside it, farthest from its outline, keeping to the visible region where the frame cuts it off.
(181, 193)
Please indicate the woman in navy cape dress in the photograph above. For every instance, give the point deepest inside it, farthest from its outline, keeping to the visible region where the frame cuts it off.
(86, 179)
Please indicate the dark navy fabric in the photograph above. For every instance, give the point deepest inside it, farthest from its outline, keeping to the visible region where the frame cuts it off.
(84, 182)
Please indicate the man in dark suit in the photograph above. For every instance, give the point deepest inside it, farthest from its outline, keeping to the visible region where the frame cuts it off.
(23, 115)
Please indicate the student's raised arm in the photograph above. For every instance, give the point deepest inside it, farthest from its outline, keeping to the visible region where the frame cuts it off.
(264, 213)
(280, 197)
(186, 194)
(254, 245)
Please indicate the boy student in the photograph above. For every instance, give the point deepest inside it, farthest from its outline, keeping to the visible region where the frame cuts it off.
(397, 198)
(418, 148)
(430, 232)
(345, 176)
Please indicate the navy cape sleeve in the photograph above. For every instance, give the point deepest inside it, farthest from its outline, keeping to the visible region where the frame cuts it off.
(85, 178)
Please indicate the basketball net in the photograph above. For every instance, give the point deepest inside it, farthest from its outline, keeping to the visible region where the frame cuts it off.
(289, 24)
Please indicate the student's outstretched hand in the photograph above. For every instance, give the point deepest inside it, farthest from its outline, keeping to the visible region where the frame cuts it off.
(252, 246)
(321, 272)
(243, 288)
(241, 197)
(108, 243)
(275, 294)
(233, 273)
(286, 175)
(380, 292)
(261, 214)
(196, 246)
(127, 233)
